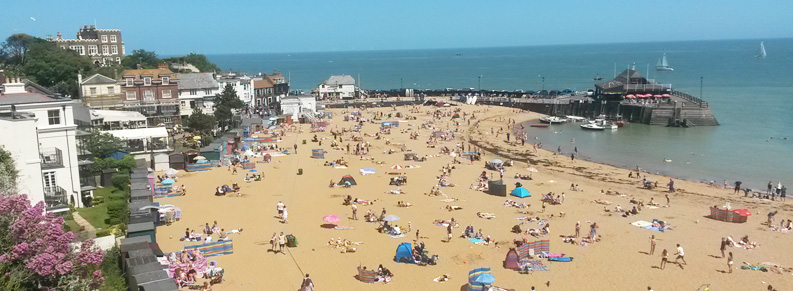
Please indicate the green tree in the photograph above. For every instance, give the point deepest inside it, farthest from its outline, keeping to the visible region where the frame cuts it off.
(102, 144)
(147, 59)
(51, 66)
(225, 102)
(14, 51)
(200, 122)
(8, 174)
(198, 60)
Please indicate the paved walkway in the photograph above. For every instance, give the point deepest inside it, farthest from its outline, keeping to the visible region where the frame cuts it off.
(89, 229)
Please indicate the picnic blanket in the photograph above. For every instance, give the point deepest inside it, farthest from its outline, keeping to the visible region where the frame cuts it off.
(214, 248)
(534, 265)
(401, 235)
(476, 240)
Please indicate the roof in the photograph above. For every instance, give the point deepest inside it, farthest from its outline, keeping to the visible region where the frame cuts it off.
(25, 98)
(44, 90)
(272, 78)
(259, 84)
(138, 133)
(98, 79)
(117, 115)
(196, 81)
(155, 73)
(340, 80)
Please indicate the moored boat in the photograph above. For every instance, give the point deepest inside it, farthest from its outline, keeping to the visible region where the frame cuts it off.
(539, 125)
(553, 119)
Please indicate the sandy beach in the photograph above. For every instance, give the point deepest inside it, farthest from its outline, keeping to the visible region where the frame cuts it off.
(619, 261)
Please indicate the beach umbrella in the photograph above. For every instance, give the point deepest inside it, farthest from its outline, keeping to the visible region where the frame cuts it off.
(171, 171)
(666, 95)
(630, 96)
(391, 218)
(658, 96)
(331, 219)
(496, 161)
(168, 181)
(533, 170)
(199, 158)
(253, 171)
(396, 167)
(485, 278)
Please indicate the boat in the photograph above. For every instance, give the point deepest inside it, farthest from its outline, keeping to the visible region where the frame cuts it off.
(620, 123)
(597, 77)
(574, 118)
(761, 51)
(599, 124)
(553, 119)
(667, 160)
(539, 125)
(663, 65)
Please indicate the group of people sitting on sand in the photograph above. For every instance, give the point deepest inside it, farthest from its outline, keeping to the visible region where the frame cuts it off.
(346, 246)
(403, 204)
(253, 177)
(208, 231)
(522, 177)
(349, 200)
(389, 229)
(382, 274)
(435, 191)
(623, 212)
(191, 265)
(339, 162)
(225, 189)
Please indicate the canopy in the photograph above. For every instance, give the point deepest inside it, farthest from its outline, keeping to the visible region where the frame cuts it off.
(391, 218)
(171, 171)
(520, 192)
(347, 180)
(396, 167)
(404, 253)
(331, 218)
(168, 181)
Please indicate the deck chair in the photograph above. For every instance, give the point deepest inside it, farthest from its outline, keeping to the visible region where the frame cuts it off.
(367, 276)
(170, 217)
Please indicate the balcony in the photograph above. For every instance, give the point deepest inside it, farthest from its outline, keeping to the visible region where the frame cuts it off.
(55, 198)
(51, 158)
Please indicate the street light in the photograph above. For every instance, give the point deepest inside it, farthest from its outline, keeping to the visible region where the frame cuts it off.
(480, 83)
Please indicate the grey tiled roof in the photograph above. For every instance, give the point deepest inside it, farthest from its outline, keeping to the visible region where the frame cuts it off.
(197, 81)
(340, 80)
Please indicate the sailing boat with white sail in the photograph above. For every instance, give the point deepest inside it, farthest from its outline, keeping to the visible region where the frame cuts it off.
(761, 51)
(663, 65)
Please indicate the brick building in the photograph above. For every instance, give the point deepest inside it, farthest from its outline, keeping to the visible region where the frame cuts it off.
(152, 92)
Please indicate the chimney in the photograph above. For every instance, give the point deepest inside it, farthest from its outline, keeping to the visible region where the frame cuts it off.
(59, 36)
(49, 37)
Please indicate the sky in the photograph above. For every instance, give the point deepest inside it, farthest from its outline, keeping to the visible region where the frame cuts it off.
(242, 26)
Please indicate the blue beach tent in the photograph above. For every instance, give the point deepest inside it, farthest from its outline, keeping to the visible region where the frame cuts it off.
(404, 254)
(520, 192)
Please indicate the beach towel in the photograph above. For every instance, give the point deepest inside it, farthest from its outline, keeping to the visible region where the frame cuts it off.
(561, 259)
(476, 240)
(641, 223)
(656, 228)
(340, 167)
(214, 249)
(534, 265)
(398, 235)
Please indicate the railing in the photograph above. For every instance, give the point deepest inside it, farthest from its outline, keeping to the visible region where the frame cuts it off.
(51, 158)
(55, 198)
(87, 181)
(690, 98)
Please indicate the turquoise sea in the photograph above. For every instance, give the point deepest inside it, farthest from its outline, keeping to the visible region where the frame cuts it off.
(752, 98)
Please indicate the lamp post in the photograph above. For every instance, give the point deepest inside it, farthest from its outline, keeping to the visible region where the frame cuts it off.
(480, 83)
(701, 79)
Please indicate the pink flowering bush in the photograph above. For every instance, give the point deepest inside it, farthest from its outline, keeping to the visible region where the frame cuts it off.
(36, 250)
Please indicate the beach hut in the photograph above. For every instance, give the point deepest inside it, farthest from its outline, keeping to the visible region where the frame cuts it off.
(347, 180)
(318, 154)
(520, 192)
(404, 254)
(512, 261)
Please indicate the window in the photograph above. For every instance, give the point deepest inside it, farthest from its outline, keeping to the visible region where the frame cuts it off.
(112, 38)
(129, 82)
(50, 185)
(147, 81)
(105, 50)
(78, 48)
(131, 95)
(207, 91)
(193, 91)
(63, 47)
(54, 117)
(92, 50)
(165, 80)
(93, 91)
(166, 93)
(111, 90)
(104, 38)
(114, 50)
(118, 60)
(148, 95)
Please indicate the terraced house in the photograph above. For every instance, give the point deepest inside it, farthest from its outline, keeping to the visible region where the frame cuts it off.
(152, 92)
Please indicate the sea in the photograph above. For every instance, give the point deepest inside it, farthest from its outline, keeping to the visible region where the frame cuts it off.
(752, 98)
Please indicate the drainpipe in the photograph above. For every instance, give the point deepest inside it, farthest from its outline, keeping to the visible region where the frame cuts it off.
(69, 152)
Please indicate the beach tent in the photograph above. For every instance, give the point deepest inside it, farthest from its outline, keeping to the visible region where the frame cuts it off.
(735, 216)
(404, 253)
(347, 180)
(520, 192)
(512, 261)
(318, 154)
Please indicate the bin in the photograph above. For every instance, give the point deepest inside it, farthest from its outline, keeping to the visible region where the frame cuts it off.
(291, 241)
(300, 171)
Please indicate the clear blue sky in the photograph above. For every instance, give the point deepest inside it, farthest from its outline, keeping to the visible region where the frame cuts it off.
(210, 27)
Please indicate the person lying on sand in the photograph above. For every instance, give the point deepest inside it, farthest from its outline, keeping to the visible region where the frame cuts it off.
(604, 202)
(486, 215)
(442, 278)
(404, 204)
(452, 207)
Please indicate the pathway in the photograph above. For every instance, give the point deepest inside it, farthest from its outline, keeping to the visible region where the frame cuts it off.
(89, 229)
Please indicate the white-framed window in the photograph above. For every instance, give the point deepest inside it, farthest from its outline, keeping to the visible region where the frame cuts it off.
(166, 94)
(112, 38)
(63, 47)
(131, 95)
(148, 95)
(105, 50)
(104, 38)
(114, 50)
(193, 92)
(50, 185)
(207, 91)
(93, 91)
(130, 82)
(118, 60)
(165, 80)
(78, 48)
(111, 90)
(147, 81)
(92, 50)
(54, 117)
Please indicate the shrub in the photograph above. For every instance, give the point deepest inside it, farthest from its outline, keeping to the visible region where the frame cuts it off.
(120, 180)
(117, 212)
(111, 269)
(103, 232)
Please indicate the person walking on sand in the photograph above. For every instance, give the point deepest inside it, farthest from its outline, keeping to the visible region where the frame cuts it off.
(354, 211)
(667, 199)
(652, 244)
(295, 148)
(274, 242)
(664, 258)
(543, 207)
(281, 242)
(285, 218)
(449, 232)
(723, 247)
(729, 263)
(280, 208)
(680, 255)
(577, 229)
(307, 285)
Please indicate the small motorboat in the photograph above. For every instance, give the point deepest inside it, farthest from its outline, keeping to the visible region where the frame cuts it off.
(553, 119)
(574, 118)
(599, 124)
(667, 160)
(539, 125)
(598, 77)
(620, 123)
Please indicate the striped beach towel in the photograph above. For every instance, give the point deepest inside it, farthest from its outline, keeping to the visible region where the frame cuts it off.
(214, 248)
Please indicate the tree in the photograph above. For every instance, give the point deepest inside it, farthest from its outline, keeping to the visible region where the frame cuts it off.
(14, 51)
(198, 60)
(147, 59)
(8, 173)
(200, 122)
(225, 103)
(36, 254)
(102, 144)
(51, 66)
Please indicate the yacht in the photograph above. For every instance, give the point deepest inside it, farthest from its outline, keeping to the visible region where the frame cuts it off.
(599, 124)
(553, 119)
(663, 65)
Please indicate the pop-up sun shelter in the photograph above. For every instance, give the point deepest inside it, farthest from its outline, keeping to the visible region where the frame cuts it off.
(520, 192)
(404, 254)
(512, 261)
(347, 180)
(318, 153)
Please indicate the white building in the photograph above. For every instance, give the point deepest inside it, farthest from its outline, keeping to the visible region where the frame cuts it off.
(241, 83)
(100, 92)
(144, 140)
(40, 133)
(198, 90)
(117, 119)
(298, 106)
(338, 87)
